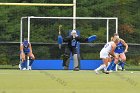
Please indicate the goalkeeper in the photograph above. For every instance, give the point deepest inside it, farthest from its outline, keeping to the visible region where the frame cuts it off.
(72, 41)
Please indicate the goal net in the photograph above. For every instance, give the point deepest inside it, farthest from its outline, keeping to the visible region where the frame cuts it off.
(43, 32)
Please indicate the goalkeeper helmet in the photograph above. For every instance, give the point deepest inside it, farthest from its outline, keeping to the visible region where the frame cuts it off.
(25, 43)
(73, 32)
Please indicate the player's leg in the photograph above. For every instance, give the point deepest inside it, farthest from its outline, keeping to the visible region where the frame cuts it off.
(76, 62)
(123, 60)
(107, 65)
(23, 64)
(75, 59)
(104, 56)
(119, 65)
(31, 60)
(106, 62)
(66, 59)
(79, 58)
(103, 66)
(113, 65)
(109, 62)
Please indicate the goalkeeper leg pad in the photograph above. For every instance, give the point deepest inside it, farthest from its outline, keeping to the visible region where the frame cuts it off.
(76, 62)
(65, 59)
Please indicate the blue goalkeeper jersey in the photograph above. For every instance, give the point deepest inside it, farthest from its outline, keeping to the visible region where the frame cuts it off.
(26, 49)
(119, 48)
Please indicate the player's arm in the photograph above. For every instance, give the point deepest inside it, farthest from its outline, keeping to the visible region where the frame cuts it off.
(125, 44)
(88, 39)
(30, 47)
(21, 48)
(66, 39)
(80, 39)
(112, 50)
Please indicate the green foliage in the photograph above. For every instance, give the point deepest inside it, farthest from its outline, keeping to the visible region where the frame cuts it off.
(127, 11)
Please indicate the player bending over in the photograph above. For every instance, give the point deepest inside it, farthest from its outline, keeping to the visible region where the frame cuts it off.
(106, 53)
(26, 51)
(121, 49)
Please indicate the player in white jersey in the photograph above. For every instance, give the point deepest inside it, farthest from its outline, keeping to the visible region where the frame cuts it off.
(105, 53)
(106, 50)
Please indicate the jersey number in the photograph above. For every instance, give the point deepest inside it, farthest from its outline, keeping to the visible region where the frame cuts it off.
(106, 45)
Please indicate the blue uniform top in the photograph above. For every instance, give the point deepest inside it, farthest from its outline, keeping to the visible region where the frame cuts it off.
(119, 48)
(26, 48)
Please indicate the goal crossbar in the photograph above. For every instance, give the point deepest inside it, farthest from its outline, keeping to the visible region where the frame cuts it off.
(34, 17)
(34, 4)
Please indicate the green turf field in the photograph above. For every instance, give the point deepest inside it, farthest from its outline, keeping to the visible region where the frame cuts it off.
(58, 81)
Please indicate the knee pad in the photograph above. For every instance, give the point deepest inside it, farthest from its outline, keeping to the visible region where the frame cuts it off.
(64, 56)
(65, 59)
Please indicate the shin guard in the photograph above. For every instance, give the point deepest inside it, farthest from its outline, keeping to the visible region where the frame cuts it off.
(76, 62)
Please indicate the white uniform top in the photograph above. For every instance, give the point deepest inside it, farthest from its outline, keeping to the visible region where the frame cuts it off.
(104, 53)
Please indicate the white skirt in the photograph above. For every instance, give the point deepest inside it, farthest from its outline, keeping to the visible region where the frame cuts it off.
(104, 54)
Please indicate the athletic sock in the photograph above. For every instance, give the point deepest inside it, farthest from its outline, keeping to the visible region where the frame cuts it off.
(113, 66)
(106, 68)
(109, 66)
(31, 62)
(23, 64)
(101, 67)
(122, 65)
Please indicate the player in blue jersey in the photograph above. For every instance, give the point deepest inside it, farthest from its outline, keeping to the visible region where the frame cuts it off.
(121, 49)
(26, 50)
